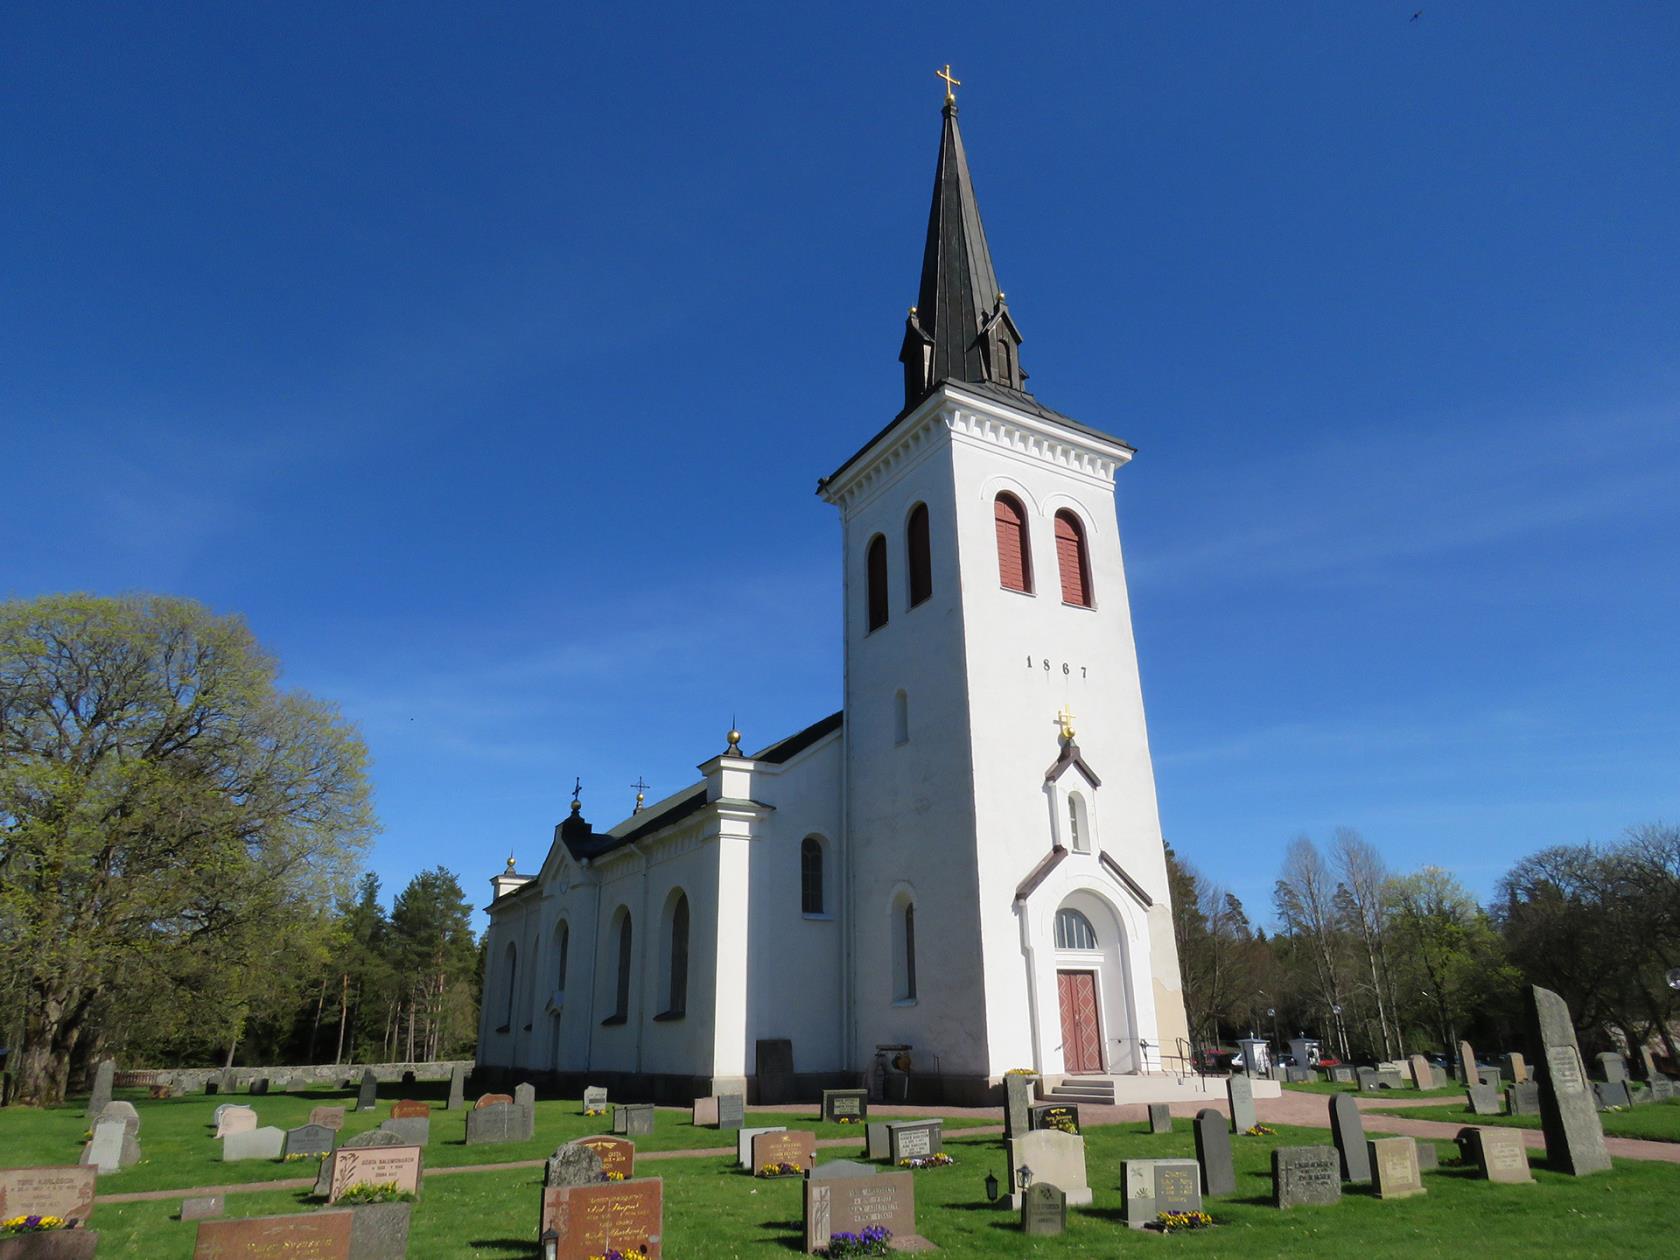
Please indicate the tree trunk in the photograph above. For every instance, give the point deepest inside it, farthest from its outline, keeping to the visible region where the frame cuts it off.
(315, 1028)
(343, 1017)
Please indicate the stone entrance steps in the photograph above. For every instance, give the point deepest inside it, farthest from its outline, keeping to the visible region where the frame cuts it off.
(1109, 1091)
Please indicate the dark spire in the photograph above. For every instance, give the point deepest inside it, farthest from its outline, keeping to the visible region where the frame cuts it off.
(959, 329)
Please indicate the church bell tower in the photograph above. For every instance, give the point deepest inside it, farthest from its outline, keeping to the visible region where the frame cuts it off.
(1004, 875)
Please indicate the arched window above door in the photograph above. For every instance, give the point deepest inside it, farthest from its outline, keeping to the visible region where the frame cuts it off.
(1074, 931)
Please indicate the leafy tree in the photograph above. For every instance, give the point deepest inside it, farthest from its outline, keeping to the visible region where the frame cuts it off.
(436, 960)
(167, 814)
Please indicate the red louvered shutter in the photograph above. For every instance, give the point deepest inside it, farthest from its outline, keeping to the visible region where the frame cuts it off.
(1014, 566)
(1070, 560)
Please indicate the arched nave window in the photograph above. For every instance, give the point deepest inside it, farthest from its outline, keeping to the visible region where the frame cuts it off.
(876, 561)
(621, 993)
(1074, 931)
(1071, 560)
(811, 876)
(1014, 558)
(676, 959)
(904, 948)
(562, 951)
(919, 551)
(510, 960)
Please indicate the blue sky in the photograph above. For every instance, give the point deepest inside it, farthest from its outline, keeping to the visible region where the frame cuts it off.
(485, 358)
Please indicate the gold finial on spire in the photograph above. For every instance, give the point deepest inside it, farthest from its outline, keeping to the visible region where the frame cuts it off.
(510, 868)
(950, 84)
(1064, 719)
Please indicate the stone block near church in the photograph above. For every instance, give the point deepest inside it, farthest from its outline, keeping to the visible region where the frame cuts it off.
(841, 1106)
(1017, 1101)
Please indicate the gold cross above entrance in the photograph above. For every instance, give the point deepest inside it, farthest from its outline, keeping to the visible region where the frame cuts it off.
(950, 83)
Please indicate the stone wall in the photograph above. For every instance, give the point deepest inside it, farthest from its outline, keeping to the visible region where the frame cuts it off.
(330, 1075)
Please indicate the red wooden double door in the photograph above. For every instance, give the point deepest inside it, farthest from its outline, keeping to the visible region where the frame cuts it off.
(1081, 1028)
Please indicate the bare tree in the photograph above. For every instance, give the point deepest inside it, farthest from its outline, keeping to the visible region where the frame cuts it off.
(1365, 881)
(1305, 897)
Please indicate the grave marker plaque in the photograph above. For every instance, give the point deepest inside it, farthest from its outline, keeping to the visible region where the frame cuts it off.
(731, 1111)
(56, 1190)
(744, 1139)
(794, 1147)
(1153, 1186)
(203, 1208)
(525, 1094)
(1483, 1100)
(327, 1117)
(234, 1120)
(457, 1088)
(1306, 1176)
(849, 1205)
(1423, 1075)
(491, 1100)
(595, 1098)
(914, 1139)
(705, 1113)
(500, 1122)
(308, 1139)
(625, 1216)
(1523, 1099)
(1394, 1167)
(633, 1119)
(304, 1235)
(412, 1131)
(616, 1154)
(267, 1142)
(1499, 1154)
(375, 1165)
(368, 1094)
(1160, 1118)
(1574, 1135)
(1044, 1208)
(1608, 1094)
(1063, 1116)
(408, 1109)
(844, 1104)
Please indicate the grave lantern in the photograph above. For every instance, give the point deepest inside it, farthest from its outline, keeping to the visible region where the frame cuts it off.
(1024, 1175)
(550, 1241)
(991, 1187)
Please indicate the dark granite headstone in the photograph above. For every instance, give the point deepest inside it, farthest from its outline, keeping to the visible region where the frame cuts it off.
(774, 1081)
(573, 1164)
(1160, 1118)
(1306, 1176)
(103, 1076)
(914, 1139)
(731, 1111)
(845, 1104)
(1240, 1091)
(259, 1085)
(633, 1119)
(1017, 1099)
(1044, 1208)
(369, 1092)
(413, 1130)
(308, 1139)
(373, 1137)
(499, 1123)
(1054, 1115)
(847, 1205)
(1523, 1100)
(1213, 1153)
(1347, 1130)
(1574, 1135)
(1608, 1094)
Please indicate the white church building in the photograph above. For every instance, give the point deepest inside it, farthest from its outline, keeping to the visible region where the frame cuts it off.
(959, 873)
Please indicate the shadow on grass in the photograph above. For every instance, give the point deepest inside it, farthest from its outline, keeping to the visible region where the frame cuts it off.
(514, 1246)
(789, 1234)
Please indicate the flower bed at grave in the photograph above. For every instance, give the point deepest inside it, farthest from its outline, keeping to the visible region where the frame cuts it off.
(33, 1225)
(612, 1176)
(1020, 1072)
(298, 1157)
(783, 1169)
(615, 1254)
(940, 1160)
(595, 1111)
(1171, 1222)
(373, 1192)
(847, 1120)
(871, 1242)
(1260, 1130)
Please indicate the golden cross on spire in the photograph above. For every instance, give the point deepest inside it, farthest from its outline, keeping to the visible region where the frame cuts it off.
(1064, 719)
(950, 84)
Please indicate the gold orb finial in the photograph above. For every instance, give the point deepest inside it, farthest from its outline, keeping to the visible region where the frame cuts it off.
(734, 741)
(510, 866)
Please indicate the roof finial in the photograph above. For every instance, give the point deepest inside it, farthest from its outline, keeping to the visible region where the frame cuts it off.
(734, 749)
(1064, 719)
(951, 85)
(641, 791)
(510, 869)
(577, 790)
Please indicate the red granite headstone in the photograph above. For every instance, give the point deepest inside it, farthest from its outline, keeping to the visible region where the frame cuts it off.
(624, 1216)
(617, 1154)
(300, 1236)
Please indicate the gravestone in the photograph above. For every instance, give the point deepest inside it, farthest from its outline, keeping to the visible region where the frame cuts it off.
(265, 1143)
(500, 1123)
(1373, 1079)
(259, 1085)
(373, 1137)
(1054, 1156)
(1467, 1064)
(876, 1143)
(617, 1155)
(1523, 1100)
(1574, 1135)
(525, 1094)
(212, 1086)
(413, 1130)
(1213, 1153)
(409, 1109)
(1428, 1155)
(633, 1119)
(1394, 1167)
(328, 1117)
(1612, 1066)
(457, 1088)
(849, 1205)
(491, 1100)
(231, 1119)
(794, 1147)
(64, 1190)
(1342, 1074)
(1044, 1208)
(1160, 1118)
(573, 1164)
(914, 1139)
(1423, 1075)
(318, 1235)
(1347, 1130)
(375, 1165)
(1515, 1068)
(103, 1076)
(308, 1139)
(1498, 1154)
(1239, 1091)
(368, 1094)
(409, 1078)
(845, 1104)
(1483, 1100)
(743, 1142)
(1306, 1176)
(626, 1216)
(111, 1148)
(1153, 1186)
(1063, 1116)
(203, 1208)
(836, 1168)
(705, 1115)
(732, 1111)
(1017, 1098)
(379, 1231)
(595, 1098)
(1662, 1089)
(1608, 1094)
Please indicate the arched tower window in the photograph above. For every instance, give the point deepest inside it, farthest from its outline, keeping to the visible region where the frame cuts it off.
(1006, 368)
(1014, 559)
(1074, 931)
(562, 948)
(811, 876)
(904, 948)
(1071, 560)
(510, 960)
(920, 554)
(676, 989)
(877, 565)
(621, 992)
(1079, 824)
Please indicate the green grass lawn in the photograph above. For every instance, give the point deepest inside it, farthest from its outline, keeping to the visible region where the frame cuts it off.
(178, 1150)
(713, 1212)
(1655, 1122)
(1407, 1091)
